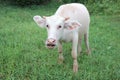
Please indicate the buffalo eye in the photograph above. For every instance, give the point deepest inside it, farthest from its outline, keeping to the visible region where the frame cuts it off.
(47, 26)
(59, 27)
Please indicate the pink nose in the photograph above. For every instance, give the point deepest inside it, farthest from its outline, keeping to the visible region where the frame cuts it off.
(51, 40)
(51, 43)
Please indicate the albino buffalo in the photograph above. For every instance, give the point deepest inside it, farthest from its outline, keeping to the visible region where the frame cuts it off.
(69, 23)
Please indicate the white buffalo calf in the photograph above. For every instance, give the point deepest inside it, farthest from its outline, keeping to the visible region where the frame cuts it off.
(68, 24)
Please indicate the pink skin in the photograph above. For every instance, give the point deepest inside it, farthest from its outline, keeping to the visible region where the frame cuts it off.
(65, 25)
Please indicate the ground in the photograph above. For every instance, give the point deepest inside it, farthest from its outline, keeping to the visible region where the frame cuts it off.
(23, 55)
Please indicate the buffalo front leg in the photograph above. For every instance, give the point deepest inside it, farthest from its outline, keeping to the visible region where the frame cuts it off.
(74, 52)
(61, 58)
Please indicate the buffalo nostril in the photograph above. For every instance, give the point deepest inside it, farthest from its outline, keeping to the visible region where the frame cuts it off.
(51, 40)
(54, 40)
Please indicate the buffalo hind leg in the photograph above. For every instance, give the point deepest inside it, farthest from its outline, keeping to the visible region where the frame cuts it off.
(79, 44)
(87, 42)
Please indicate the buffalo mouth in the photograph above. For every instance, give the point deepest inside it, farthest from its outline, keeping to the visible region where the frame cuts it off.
(51, 46)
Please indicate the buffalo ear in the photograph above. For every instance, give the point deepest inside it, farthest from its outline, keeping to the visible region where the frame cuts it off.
(71, 25)
(39, 20)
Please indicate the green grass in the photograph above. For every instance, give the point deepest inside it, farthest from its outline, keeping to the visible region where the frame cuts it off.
(23, 55)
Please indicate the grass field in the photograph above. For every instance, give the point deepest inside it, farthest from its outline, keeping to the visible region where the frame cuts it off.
(23, 55)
